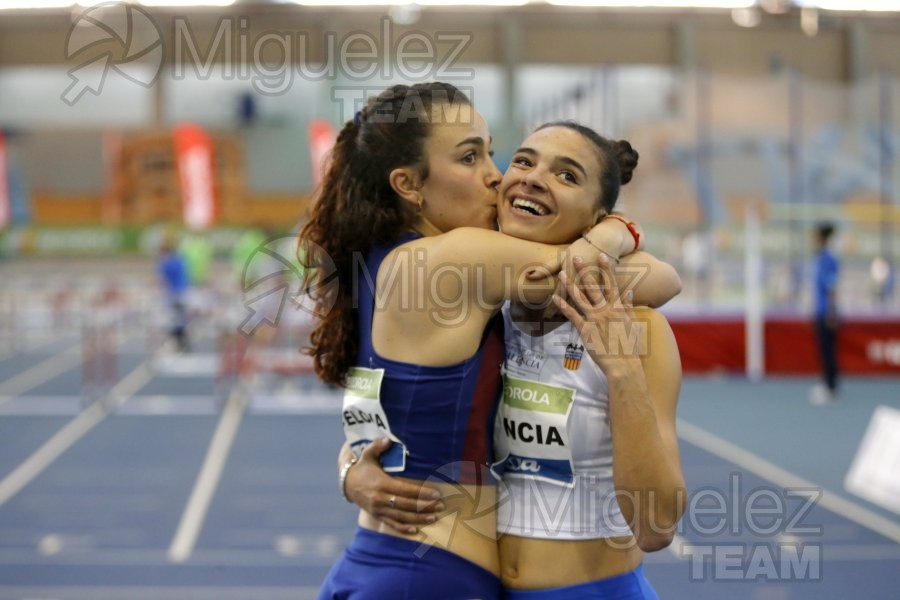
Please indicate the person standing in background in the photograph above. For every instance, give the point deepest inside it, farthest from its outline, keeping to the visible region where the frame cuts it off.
(173, 272)
(825, 279)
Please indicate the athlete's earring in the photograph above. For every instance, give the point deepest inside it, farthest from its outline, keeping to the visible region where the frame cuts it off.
(420, 199)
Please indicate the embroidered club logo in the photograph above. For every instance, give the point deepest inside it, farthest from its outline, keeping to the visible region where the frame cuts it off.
(572, 359)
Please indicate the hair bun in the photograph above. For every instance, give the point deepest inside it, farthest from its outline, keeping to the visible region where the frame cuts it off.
(627, 157)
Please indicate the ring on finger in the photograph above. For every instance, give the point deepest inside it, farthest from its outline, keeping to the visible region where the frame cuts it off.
(392, 501)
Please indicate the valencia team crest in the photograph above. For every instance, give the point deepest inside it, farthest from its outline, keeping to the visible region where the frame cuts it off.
(573, 356)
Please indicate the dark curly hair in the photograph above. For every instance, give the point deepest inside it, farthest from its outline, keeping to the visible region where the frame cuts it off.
(357, 209)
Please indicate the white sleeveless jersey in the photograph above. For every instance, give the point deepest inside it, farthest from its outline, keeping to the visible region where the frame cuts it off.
(552, 440)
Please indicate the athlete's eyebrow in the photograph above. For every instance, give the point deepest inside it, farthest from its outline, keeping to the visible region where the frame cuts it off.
(574, 164)
(476, 140)
(562, 159)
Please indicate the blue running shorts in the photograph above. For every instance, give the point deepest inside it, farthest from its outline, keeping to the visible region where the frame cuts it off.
(377, 566)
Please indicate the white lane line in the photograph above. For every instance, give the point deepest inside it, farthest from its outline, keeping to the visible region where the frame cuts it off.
(195, 511)
(13, 483)
(755, 464)
(41, 372)
(129, 385)
(196, 364)
(73, 431)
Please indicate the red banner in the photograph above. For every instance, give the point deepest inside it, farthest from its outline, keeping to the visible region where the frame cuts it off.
(865, 347)
(196, 173)
(710, 346)
(5, 201)
(321, 140)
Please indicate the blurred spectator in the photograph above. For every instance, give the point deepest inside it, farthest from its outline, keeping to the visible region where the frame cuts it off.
(825, 279)
(173, 271)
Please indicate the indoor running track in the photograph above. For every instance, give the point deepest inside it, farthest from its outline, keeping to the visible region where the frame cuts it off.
(174, 489)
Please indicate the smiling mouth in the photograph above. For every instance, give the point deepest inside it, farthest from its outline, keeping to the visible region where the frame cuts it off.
(529, 206)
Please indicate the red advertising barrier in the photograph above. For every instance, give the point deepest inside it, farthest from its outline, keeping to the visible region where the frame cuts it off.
(865, 347)
(710, 346)
(196, 173)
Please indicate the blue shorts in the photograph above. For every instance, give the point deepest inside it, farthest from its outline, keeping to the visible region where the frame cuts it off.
(377, 566)
(627, 586)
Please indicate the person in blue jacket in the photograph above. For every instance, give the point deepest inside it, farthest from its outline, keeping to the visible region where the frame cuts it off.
(173, 272)
(825, 322)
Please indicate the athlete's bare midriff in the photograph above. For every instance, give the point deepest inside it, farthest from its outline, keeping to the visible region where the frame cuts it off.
(466, 527)
(533, 563)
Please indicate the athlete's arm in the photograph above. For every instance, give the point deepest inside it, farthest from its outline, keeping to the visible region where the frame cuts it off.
(638, 354)
(657, 514)
(492, 267)
(652, 281)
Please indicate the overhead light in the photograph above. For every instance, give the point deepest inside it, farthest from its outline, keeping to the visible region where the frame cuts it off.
(350, 2)
(473, 2)
(656, 3)
(746, 17)
(405, 14)
(187, 3)
(809, 21)
(775, 7)
(408, 3)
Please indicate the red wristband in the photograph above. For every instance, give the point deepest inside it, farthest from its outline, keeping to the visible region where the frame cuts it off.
(631, 229)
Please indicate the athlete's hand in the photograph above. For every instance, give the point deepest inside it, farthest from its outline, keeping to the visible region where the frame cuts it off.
(370, 488)
(612, 334)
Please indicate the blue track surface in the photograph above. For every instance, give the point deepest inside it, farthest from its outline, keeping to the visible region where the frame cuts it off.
(97, 521)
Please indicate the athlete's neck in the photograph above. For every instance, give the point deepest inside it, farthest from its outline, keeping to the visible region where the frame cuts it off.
(425, 228)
